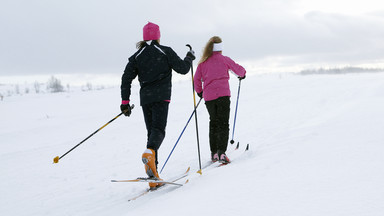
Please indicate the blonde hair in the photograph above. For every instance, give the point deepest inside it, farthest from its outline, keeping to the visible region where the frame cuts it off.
(208, 49)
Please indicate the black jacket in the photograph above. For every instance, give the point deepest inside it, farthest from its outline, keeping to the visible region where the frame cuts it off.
(153, 65)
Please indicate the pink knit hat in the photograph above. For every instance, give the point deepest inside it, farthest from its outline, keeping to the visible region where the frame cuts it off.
(151, 31)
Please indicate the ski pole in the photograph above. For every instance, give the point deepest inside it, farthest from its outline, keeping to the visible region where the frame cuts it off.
(57, 158)
(234, 121)
(182, 132)
(194, 105)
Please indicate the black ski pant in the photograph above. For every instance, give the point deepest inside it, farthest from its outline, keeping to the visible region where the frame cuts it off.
(155, 116)
(218, 110)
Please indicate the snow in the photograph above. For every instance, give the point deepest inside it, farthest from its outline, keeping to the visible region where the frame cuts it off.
(316, 146)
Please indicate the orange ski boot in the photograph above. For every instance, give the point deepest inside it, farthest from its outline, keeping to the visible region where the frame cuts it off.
(149, 160)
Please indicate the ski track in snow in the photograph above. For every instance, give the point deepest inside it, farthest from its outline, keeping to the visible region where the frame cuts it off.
(316, 146)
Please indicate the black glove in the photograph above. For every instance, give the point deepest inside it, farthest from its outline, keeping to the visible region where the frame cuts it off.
(126, 109)
(200, 94)
(241, 78)
(191, 54)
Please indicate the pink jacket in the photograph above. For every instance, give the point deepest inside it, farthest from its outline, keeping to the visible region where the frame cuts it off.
(212, 76)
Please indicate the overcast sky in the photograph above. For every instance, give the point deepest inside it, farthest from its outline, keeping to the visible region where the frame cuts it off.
(97, 36)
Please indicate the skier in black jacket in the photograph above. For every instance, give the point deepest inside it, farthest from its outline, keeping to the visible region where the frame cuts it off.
(153, 64)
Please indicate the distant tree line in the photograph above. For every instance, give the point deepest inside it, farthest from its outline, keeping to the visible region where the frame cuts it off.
(53, 85)
(343, 70)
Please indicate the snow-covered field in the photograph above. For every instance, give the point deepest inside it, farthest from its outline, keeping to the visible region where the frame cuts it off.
(316, 148)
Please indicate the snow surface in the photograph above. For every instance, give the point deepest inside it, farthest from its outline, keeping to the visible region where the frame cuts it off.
(316, 148)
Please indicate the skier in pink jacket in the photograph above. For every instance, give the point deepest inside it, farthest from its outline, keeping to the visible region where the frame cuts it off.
(211, 83)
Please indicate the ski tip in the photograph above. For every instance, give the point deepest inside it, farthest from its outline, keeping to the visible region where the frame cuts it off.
(247, 148)
(237, 146)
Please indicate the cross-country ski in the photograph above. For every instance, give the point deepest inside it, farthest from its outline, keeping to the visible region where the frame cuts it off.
(154, 180)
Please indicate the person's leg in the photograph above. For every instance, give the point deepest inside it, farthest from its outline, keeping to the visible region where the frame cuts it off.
(158, 124)
(147, 112)
(155, 116)
(212, 110)
(223, 109)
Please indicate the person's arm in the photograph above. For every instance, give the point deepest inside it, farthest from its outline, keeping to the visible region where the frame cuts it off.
(129, 74)
(236, 68)
(197, 81)
(177, 64)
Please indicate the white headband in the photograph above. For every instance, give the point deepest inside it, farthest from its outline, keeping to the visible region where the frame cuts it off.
(217, 47)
